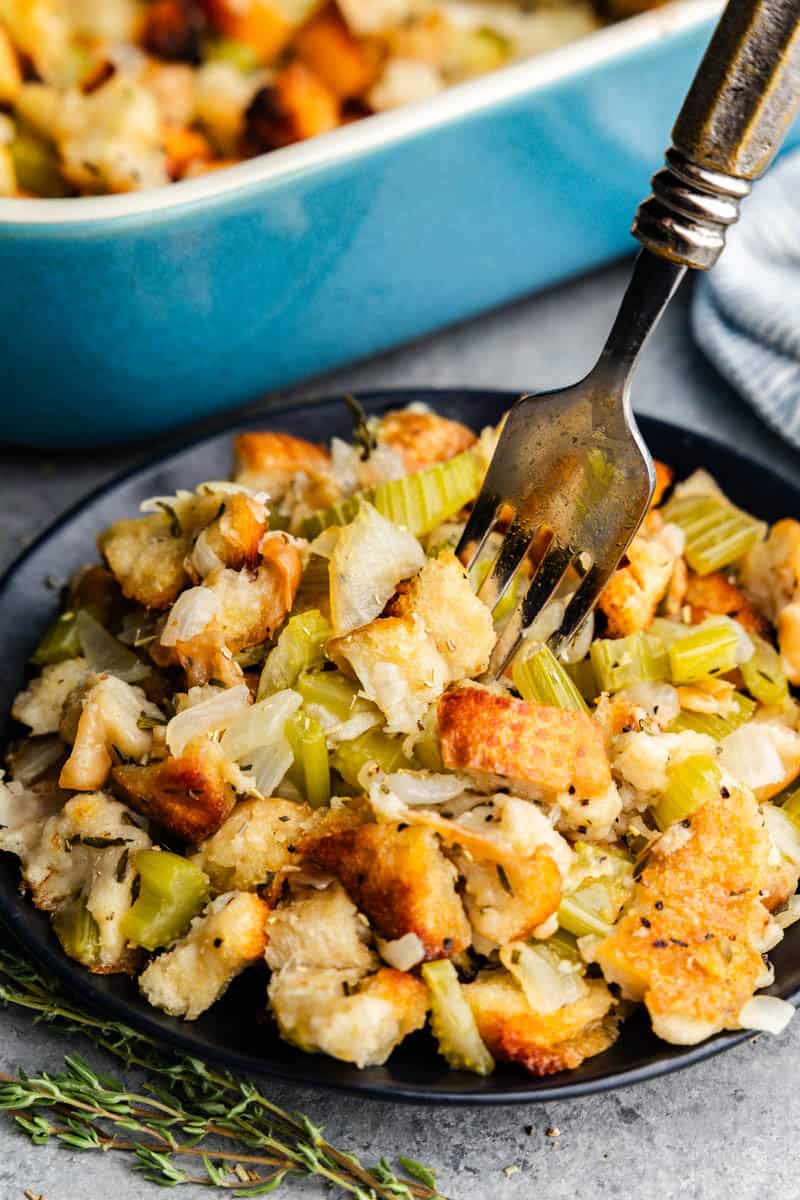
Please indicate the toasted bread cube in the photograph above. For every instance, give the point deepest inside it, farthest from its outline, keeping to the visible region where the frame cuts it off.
(268, 462)
(258, 839)
(337, 1012)
(398, 666)
(542, 1043)
(319, 928)
(537, 748)
(263, 25)
(236, 532)
(664, 478)
(460, 624)
(423, 438)
(10, 72)
(41, 704)
(188, 796)
(109, 717)
(146, 558)
(344, 64)
(401, 880)
(227, 937)
(254, 604)
(709, 595)
(688, 943)
(632, 595)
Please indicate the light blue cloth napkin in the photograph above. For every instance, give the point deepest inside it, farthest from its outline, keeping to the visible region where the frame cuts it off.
(746, 311)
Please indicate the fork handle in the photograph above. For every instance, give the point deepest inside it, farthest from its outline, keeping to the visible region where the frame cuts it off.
(735, 116)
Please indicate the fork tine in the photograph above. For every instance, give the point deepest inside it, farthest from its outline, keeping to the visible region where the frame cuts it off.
(543, 586)
(582, 603)
(514, 547)
(479, 526)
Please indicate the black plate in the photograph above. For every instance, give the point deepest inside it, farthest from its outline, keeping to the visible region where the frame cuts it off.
(231, 1032)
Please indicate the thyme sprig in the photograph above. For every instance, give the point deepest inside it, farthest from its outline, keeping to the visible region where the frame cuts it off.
(196, 1125)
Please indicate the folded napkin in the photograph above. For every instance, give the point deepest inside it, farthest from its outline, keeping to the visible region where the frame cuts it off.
(746, 312)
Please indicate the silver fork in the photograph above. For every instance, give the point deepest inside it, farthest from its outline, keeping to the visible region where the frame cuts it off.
(571, 465)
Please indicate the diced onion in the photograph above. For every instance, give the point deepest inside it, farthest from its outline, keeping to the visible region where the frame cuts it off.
(208, 717)
(660, 700)
(768, 1014)
(194, 609)
(105, 654)
(403, 953)
(260, 726)
(29, 760)
(547, 983)
(204, 559)
(424, 787)
(269, 764)
(371, 557)
(789, 913)
(751, 757)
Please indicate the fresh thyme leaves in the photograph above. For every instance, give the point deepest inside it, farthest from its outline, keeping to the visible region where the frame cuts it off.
(147, 722)
(363, 437)
(197, 1125)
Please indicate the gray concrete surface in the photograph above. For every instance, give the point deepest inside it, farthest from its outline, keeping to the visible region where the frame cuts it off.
(723, 1129)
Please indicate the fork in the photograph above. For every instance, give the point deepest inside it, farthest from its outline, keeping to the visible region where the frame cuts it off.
(571, 471)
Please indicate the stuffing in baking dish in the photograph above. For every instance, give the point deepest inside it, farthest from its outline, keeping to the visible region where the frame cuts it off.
(261, 732)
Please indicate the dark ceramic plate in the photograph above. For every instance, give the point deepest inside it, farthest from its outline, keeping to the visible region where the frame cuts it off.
(231, 1031)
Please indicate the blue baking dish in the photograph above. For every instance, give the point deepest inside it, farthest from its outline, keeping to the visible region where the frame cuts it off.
(124, 315)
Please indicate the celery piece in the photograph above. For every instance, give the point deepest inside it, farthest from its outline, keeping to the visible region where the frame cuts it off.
(717, 534)
(349, 758)
(692, 782)
(710, 648)
(76, 930)
(60, 642)
(605, 882)
(540, 678)
(427, 747)
(763, 674)
(452, 1021)
(300, 647)
(36, 166)
(331, 691)
(310, 772)
(633, 659)
(565, 945)
(713, 724)
(506, 606)
(172, 890)
(791, 807)
(418, 502)
(235, 53)
(583, 676)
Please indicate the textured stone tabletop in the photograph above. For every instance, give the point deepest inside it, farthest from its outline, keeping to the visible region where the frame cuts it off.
(723, 1129)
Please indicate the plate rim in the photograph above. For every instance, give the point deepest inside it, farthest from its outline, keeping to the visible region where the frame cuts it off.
(79, 983)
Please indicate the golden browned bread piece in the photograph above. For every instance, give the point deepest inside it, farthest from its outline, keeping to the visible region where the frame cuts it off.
(709, 595)
(401, 880)
(633, 593)
(507, 901)
(268, 461)
(542, 1043)
(664, 477)
(423, 438)
(687, 944)
(540, 748)
(189, 795)
(236, 532)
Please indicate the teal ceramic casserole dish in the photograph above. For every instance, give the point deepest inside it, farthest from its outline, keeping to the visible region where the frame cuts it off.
(125, 315)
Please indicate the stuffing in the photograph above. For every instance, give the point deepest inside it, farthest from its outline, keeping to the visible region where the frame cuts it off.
(540, 750)
(110, 719)
(258, 839)
(82, 850)
(633, 593)
(254, 604)
(423, 438)
(189, 796)
(269, 462)
(337, 1012)
(642, 759)
(542, 1043)
(763, 755)
(40, 705)
(401, 880)
(320, 928)
(234, 537)
(398, 666)
(227, 937)
(771, 574)
(788, 626)
(707, 595)
(687, 943)
(146, 555)
(460, 624)
(664, 478)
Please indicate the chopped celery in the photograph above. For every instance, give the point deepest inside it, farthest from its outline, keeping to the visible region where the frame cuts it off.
(583, 676)
(605, 882)
(418, 502)
(36, 166)
(540, 678)
(713, 724)
(76, 929)
(638, 658)
(373, 746)
(565, 945)
(235, 53)
(172, 890)
(452, 1021)
(710, 648)
(310, 772)
(692, 782)
(791, 807)
(717, 534)
(331, 691)
(60, 642)
(763, 674)
(300, 647)
(427, 748)
(506, 606)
